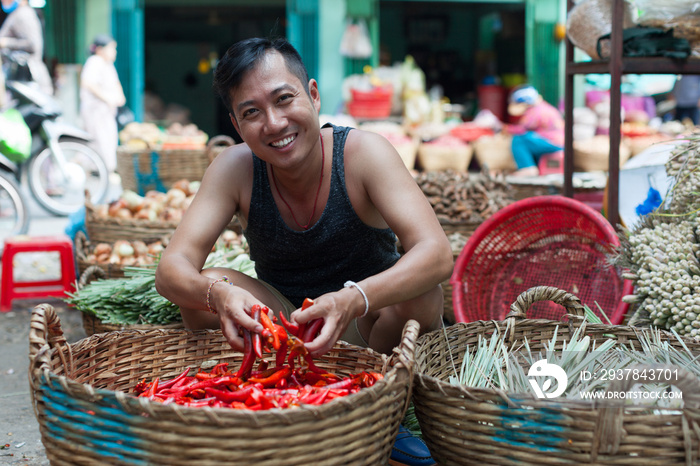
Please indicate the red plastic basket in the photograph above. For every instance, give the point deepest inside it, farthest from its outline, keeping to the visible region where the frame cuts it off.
(542, 240)
(373, 104)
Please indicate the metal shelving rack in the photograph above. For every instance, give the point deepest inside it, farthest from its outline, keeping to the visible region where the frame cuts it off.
(616, 66)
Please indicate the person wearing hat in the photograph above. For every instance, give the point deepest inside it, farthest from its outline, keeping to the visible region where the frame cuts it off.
(539, 130)
(101, 94)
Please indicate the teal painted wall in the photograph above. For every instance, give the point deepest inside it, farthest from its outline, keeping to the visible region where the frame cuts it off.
(330, 71)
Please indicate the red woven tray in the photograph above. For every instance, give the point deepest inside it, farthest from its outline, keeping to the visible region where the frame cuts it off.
(539, 241)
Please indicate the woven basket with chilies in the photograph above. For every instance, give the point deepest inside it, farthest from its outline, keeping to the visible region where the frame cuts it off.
(80, 393)
(544, 240)
(467, 425)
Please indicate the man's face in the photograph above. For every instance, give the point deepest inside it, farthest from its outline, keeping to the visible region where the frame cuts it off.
(273, 113)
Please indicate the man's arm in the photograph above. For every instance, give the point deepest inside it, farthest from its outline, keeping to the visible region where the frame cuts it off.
(178, 277)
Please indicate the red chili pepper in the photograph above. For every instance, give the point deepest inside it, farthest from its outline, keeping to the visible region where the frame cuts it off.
(257, 341)
(268, 325)
(248, 356)
(290, 326)
(141, 387)
(151, 391)
(345, 383)
(271, 380)
(177, 379)
(314, 398)
(312, 329)
(230, 396)
(308, 302)
(281, 353)
(262, 365)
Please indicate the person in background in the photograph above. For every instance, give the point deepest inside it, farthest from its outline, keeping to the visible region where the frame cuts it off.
(539, 130)
(321, 209)
(686, 93)
(22, 31)
(101, 94)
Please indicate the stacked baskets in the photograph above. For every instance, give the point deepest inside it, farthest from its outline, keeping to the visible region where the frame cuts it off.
(80, 397)
(463, 425)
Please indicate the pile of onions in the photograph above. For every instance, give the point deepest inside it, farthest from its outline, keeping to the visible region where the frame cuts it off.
(126, 253)
(154, 205)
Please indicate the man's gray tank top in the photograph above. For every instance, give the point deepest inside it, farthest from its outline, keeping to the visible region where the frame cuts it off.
(337, 248)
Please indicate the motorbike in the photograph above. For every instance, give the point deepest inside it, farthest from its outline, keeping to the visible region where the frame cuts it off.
(14, 211)
(62, 167)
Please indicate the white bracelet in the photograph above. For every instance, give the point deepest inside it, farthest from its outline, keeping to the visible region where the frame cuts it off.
(349, 284)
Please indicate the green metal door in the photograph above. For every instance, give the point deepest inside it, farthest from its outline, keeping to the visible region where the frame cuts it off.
(302, 32)
(128, 30)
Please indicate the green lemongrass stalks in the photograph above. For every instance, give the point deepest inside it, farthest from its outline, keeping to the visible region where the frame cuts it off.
(133, 299)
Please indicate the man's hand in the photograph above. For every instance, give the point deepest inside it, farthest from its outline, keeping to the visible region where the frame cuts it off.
(236, 314)
(337, 309)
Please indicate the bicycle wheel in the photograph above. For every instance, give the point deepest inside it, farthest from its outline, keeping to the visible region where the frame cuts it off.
(63, 192)
(14, 213)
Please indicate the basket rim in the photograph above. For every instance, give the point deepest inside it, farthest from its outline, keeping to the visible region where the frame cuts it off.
(398, 369)
(515, 208)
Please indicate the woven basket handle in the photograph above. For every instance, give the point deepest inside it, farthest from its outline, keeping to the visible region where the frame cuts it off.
(220, 140)
(81, 245)
(609, 428)
(545, 293)
(404, 356)
(91, 272)
(45, 333)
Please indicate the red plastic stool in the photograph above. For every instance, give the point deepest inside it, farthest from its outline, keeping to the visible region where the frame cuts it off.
(551, 163)
(11, 289)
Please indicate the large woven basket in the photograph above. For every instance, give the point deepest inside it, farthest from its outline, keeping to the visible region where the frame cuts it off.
(83, 248)
(466, 425)
(110, 229)
(82, 251)
(144, 169)
(86, 416)
(217, 144)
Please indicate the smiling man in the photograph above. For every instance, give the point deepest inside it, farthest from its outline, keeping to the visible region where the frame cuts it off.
(321, 209)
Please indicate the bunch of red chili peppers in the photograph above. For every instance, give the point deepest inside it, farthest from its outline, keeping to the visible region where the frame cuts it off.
(295, 379)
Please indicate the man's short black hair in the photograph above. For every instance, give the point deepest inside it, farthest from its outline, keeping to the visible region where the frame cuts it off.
(243, 56)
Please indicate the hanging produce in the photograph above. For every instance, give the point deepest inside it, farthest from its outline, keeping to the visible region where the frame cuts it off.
(661, 252)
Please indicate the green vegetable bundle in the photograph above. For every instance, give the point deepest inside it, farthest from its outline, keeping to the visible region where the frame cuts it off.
(133, 299)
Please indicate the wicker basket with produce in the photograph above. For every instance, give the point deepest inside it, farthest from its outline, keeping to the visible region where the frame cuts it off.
(99, 418)
(151, 158)
(146, 218)
(476, 402)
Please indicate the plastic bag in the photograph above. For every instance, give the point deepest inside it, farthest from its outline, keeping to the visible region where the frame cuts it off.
(664, 10)
(15, 136)
(355, 42)
(590, 19)
(683, 16)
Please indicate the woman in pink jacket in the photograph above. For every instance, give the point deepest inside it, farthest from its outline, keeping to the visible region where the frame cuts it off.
(539, 131)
